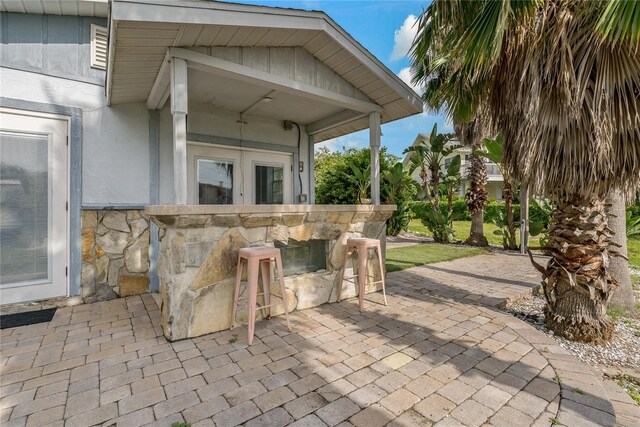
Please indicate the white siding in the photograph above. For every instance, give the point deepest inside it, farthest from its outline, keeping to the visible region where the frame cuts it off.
(115, 151)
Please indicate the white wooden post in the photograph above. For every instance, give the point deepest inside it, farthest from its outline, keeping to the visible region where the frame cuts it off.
(179, 108)
(374, 143)
(312, 170)
(524, 218)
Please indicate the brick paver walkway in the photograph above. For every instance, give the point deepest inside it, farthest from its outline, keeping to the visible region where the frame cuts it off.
(439, 354)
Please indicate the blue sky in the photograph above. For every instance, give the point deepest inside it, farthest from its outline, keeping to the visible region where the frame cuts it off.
(385, 28)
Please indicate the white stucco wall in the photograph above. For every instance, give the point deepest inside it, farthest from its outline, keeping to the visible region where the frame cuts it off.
(115, 155)
(115, 151)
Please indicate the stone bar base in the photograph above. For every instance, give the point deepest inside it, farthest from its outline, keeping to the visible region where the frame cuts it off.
(199, 251)
(115, 254)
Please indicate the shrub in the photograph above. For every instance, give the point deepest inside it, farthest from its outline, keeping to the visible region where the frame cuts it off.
(440, 224)
(460, 211)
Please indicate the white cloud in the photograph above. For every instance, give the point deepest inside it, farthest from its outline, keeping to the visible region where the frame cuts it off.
(403, 37)
(405, 76)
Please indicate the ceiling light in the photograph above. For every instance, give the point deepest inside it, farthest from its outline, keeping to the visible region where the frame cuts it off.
(267, 99)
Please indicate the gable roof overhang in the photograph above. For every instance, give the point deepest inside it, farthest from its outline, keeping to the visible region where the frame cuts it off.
(144, 34)
(97, 8)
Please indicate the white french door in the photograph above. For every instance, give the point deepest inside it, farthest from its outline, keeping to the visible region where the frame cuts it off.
(219, 175)
(33, 214)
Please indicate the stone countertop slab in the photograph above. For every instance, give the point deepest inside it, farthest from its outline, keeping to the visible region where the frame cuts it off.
(163, 210)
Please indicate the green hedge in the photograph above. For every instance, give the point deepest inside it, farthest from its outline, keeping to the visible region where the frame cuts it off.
(461, 213)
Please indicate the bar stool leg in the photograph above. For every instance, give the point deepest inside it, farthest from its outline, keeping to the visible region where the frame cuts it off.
(283, 289)
(236, 293)
(362, 274)
(265, 271)
(252, 285)
(384, 292)
(344, 268)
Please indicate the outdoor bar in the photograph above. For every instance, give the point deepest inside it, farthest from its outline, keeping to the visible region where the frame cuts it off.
(199, 251)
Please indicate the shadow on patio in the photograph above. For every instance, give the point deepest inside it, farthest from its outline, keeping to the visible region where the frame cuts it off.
(422, 360)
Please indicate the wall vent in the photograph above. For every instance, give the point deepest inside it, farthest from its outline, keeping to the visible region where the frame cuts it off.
(99, 47)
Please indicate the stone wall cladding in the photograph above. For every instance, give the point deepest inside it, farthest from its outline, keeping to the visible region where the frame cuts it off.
(115, 254)
(198, 259)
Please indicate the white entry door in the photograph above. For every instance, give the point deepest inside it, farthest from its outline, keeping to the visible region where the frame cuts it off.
(33, 213)
(226, 176)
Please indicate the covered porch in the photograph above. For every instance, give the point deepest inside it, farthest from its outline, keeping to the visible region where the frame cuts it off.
(238, 96)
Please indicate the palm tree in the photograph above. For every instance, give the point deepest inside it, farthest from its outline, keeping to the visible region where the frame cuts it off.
(446, 88)
(428, 158)
(494, 152)
(564, 89)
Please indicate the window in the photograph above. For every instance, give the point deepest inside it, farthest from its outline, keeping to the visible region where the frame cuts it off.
(268, 185)
(215, 182)
(98, 47)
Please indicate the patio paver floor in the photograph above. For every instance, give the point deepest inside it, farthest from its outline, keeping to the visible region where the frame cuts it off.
(439, 354)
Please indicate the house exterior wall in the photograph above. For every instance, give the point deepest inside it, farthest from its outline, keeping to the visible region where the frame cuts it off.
(45, 60)
(49, 44)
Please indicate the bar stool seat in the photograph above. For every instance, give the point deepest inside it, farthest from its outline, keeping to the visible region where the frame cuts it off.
(362, 246)
(258, 260)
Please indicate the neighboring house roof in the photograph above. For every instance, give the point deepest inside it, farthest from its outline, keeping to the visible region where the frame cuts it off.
(99, 8)
(141, 32)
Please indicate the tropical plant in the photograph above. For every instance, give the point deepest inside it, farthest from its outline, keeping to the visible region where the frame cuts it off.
(361, 179)
(561, 81)
(633, 225)
(333, 170)
(428, 156)
(440, 224)
(396, 190)
(494, 150)
(452, 181)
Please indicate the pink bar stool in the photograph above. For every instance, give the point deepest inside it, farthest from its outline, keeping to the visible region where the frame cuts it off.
(258, 259)
(362, 245)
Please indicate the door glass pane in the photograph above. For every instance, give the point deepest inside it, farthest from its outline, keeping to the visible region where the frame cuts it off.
(268, 186)
(24, 208)
(215, 182)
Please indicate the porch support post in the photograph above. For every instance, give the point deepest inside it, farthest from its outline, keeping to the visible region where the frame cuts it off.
(374, 142)
(179, 111)
(524, 218)
(312, 170)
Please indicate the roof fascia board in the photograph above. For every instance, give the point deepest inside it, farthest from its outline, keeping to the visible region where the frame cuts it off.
(364, 56)
(221, 67)
(333, 121)
(113, 35)
(177, 13)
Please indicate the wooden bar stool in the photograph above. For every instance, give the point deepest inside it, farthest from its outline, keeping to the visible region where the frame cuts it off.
(258, 259)
(362, 245)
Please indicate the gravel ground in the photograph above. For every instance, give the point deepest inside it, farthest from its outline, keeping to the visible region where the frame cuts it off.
(623, 351)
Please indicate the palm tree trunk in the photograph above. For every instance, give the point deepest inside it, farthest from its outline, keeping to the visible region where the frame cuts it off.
(507, 195)
(476, 199)
(623, 297)
(576, 282)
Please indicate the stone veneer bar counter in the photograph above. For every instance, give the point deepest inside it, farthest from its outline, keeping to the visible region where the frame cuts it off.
(199, 251)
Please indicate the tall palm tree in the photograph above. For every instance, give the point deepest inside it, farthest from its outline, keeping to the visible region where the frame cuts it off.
(462, 100)
(564, 89)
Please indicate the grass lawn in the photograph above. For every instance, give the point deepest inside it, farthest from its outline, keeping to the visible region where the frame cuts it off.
(428, 253)
(461, 228)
